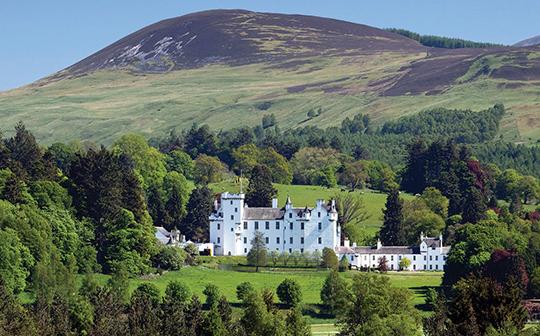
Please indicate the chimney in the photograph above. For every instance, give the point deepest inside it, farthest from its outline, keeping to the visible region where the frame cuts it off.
(379, 244)
(274, 203)
(354, 244)
(346, 243)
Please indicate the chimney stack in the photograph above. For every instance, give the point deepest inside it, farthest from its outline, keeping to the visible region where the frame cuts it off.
(274, 203)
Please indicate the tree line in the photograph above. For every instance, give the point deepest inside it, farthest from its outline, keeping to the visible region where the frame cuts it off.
(442, 42)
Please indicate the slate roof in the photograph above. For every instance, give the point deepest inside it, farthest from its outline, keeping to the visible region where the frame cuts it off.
(432, 242)
(386, 250)
(262, 213)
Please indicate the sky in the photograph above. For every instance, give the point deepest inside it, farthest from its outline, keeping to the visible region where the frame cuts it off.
(38, 37)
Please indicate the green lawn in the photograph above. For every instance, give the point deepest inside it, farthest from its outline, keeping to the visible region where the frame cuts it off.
(310, 280)
(307, 195)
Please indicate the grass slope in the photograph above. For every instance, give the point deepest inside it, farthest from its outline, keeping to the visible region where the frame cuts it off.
(103, 105)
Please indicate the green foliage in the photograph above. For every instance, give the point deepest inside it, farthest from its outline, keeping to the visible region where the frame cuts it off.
(260, 189)
(442, 42)
(344, 264)
(329, 258)
(212, 294)
(148, 161)
(258, 254)
(295, 324)
(392, 232)
(176, 291)
(208, 169)
(200, 205)
(243, 290)
(169, 258)
(289, 292)
(404, 263)
(334, 292)
(309, 164)
(14, 259)
(376, 308)
(180, 162)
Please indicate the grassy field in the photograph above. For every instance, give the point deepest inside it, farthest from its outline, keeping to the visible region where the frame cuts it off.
(306, 195)
(103, 105)
(310, 280)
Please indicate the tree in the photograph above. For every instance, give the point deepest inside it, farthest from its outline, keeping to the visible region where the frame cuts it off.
(180, 162)
(212, 294)
(169, 258)
(199, 207)
(383, 264)
(353, 175)
(144, 310)
(257, 254)
(391, 232)
(208, 169)
(14, 318)
(200, 141)
(176, 291)
(344, 264)
(413, 178)
(289, 292)
(260, 189)
(435, 201)
(309, 162)
(274, 256)
(404, 264)
(351, 214)
(334, 292)
(474, 208)
(156, 207)
(213, 324)
(295, 324)
(13, 258)
(243, 290)
(329, 258)
(529, 188)
(174, 210)
(393, 313)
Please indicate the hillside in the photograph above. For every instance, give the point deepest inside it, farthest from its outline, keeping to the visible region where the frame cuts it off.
(529, 42)
(228, 68)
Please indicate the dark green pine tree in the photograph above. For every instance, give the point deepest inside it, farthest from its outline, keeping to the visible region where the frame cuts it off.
(156, 208)
(260, 190)
(13, 190)
(4, 154)
(132, 192)
(413, 179)
(25, 150)
(391, 233)
(474, 208)
(174, 211)
(196, 224)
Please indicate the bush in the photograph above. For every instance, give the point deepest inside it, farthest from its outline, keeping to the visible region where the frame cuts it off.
(329, 258)
(289, 292)
(169, 258)
(212, 294)
(243, 290)
(343, 264)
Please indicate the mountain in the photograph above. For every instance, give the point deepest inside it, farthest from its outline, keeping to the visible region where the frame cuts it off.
(229, 68)
(533, 41)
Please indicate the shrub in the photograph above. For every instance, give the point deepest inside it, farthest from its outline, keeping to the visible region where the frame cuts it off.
(169, 258)
(212, 294)
(289, 292)
(243, 290)
(329, 258)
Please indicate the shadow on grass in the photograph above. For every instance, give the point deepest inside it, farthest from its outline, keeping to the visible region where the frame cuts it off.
(422, 290)
(316, 311)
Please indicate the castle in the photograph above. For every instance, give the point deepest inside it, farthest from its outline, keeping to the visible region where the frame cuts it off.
(233, 224)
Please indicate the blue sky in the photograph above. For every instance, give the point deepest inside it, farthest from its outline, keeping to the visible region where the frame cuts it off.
(41, 37)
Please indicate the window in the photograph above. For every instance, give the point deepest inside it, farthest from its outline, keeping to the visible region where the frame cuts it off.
(232, 217)
(232, 229)
(277, 225)
(436, 267)
(290, 250)
(430, 258)
(430, 267)
(437, 258)
(425, 258)
(301, 250)
(235, 209)
(319, 214)
(218, 240)
(391, 258)
(320, 226)
(245, 225)
(290, 215)
(277, 240)
(392, 267)
(320, 240)
(218, 226)
(245, 240)
(301, 240)
(267, 225)
(414, 267)
(302, 226)
(256, 225)
(424, 267)
(373, 257)
(231, 202)
(290, 225)
(245, 250)
(414, 258)
(267, 240)
(291, 240)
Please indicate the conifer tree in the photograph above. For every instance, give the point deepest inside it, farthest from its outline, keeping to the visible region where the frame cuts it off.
(260, 190)
(199, 207)
(391, 233)
(174, 211)
(295, 323)
(156, 208)
(413, 179)
(13, 190)
(474, 208)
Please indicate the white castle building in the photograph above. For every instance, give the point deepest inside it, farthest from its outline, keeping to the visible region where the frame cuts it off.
(233, 224)
(429, 255)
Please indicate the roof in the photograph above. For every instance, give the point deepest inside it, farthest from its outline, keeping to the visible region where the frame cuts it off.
(385, 250)
(263, 213)
(432, 242)
(163, 235)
